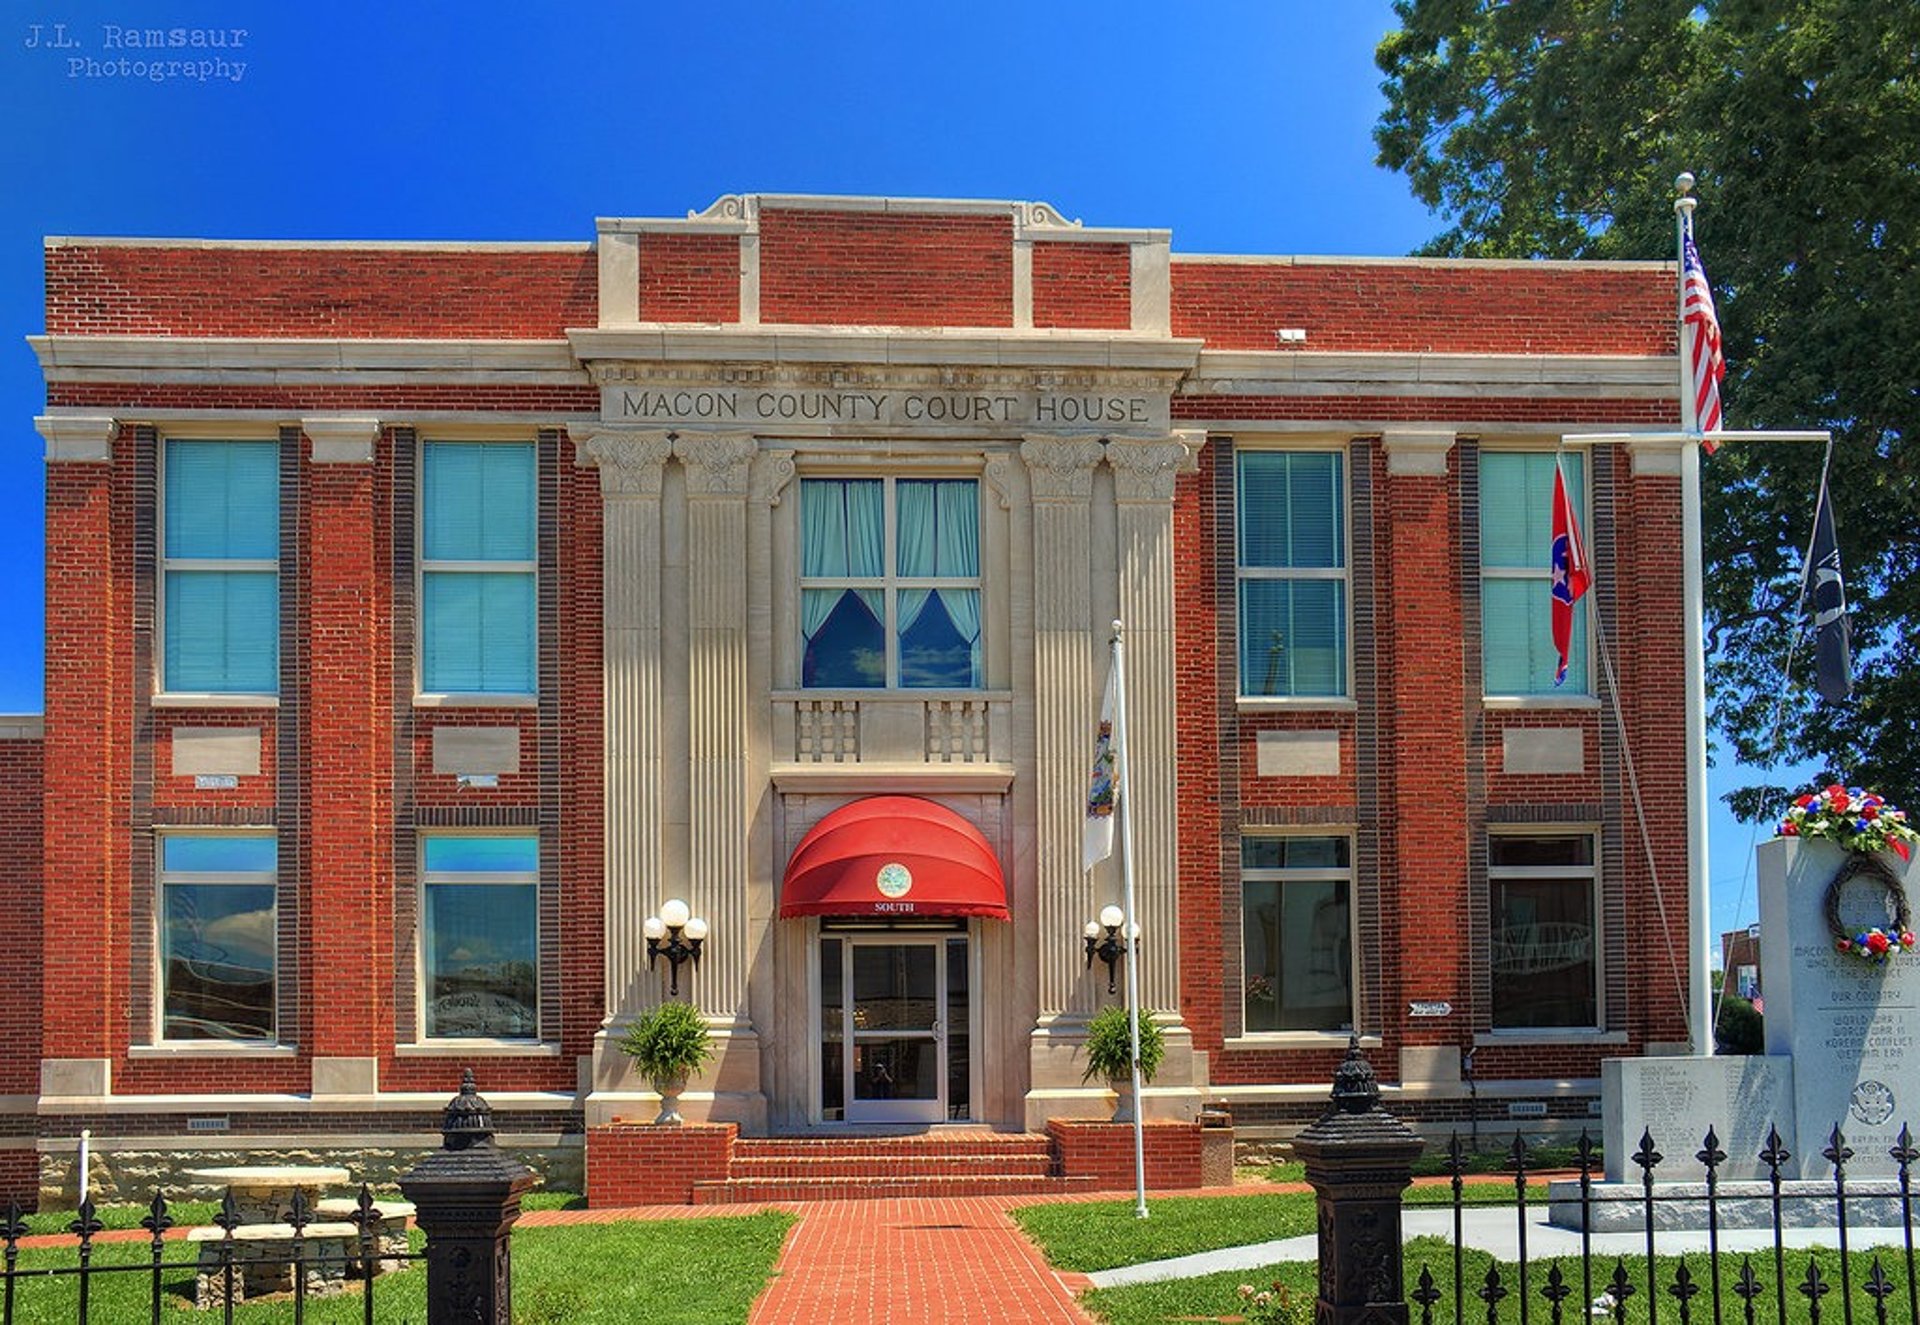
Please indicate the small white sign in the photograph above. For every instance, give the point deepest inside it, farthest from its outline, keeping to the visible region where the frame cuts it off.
(215, 782)
(1430, 1007)
(1527, 1109)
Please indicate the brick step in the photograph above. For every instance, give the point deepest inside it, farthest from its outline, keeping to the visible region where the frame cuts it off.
(978, 1143)
(893, 1165)
(879, 1189)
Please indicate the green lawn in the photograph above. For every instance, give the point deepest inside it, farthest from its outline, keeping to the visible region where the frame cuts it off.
(670, 1272)
(1106, 1234)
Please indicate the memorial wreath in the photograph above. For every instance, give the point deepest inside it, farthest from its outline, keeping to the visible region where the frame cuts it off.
(1864, 824)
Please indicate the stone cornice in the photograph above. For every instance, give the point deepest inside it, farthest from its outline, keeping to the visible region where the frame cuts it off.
(360, 362)
(717, 463)
(1309, 372)
(728, 348)
(631, 463)
(1060, 469)
(81, 437)
(341, 438)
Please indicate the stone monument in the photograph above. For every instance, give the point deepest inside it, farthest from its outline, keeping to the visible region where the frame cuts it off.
(1848, 1024)
(1840, 1050)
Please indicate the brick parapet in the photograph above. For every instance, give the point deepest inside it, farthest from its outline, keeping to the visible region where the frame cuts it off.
(1104, 1153)
(638, 1164)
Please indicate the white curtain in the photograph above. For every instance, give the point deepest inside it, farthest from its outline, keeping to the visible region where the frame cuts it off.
(842, 536)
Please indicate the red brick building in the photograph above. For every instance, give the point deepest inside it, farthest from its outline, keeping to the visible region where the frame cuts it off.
(422, 618)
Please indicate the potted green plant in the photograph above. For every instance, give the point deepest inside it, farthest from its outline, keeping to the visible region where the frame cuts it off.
(1110, 1054)
(668, 1045)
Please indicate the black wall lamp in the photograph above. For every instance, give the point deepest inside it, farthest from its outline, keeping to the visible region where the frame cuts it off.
(676, 934)
(1110, 947)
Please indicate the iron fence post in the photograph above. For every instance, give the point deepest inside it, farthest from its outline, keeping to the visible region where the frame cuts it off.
(1359, 1160)
(466, 1197)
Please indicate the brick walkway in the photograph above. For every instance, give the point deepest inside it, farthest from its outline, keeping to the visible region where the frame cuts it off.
(957, 1259)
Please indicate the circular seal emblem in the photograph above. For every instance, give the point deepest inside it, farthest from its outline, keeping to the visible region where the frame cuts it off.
(1872, 1103)
(894, 879)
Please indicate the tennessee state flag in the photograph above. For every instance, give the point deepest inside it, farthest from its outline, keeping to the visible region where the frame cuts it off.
(1570, 576)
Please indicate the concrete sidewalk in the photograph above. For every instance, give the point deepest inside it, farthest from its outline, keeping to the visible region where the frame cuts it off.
(1494, 1229)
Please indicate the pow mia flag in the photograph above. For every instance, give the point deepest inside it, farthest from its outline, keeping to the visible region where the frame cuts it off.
(1832, 631)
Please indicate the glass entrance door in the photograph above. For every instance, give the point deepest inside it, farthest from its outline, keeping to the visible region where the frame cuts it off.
(893, 1028)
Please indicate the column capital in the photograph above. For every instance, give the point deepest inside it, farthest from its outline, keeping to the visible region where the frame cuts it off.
(343, 439)
(717, 463)
(87, 437)
(769, 474)
(631, 462)
(1144, 468)
(1417, 450)
(1060, 469)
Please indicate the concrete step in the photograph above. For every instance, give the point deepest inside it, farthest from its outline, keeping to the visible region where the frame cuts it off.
(852, 1164)
(878, 1189)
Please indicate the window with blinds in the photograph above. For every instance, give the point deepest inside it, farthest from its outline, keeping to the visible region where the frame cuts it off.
(1291, 554)
(1516, 545)
(478, 568)
(220, 568)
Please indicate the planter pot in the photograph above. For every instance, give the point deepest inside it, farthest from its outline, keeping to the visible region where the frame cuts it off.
(670, 1088)
(1122, 1088)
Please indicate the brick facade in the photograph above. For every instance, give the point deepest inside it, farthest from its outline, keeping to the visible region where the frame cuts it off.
(347, 775)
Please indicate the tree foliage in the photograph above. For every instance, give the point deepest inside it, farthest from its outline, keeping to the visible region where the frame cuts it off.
(1555, 128)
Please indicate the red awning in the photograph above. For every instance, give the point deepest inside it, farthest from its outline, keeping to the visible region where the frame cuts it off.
(894, 856)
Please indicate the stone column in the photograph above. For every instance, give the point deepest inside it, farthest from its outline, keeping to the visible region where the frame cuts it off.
(719, 805)
(631, 466)
(1065, 699)
(1143, 478)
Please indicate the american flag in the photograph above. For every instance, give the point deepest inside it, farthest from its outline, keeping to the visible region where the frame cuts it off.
(1707, 366)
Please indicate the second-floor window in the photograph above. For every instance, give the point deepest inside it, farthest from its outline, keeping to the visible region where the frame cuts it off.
(890, 583)
(1292, 567)
(1516, 545)
(220, 568)
(478, 568)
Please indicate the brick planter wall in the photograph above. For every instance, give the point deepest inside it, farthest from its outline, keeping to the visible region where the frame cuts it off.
(639, 1164)
(1104, 1152)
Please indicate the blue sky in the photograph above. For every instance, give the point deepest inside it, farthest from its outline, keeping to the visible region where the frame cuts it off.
(1243, 125)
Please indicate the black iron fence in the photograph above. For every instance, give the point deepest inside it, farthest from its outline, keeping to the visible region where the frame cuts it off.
(232, 1261)
(1358, 1160)
(1682, 1286)
(464, 1197)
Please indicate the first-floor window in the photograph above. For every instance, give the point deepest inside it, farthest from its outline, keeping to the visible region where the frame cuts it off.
(1297, 932)
(480, 946)
(1544, 962)
(218, 936)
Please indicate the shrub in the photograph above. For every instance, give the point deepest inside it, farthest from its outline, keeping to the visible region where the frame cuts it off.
(1740, 1030)
(670, 1041)
(1110, 1045)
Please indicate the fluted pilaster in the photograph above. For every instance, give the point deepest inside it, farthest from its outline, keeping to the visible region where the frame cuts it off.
(631, 466)
(1060, 473)
(1143, 476)
(719, 807)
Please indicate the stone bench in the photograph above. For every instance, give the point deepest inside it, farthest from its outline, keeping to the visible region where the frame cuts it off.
(390, 1233)
(263, 1259)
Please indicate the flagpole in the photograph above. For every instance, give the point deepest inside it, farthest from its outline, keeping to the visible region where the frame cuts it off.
(1693, 611)
(1123, 807)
